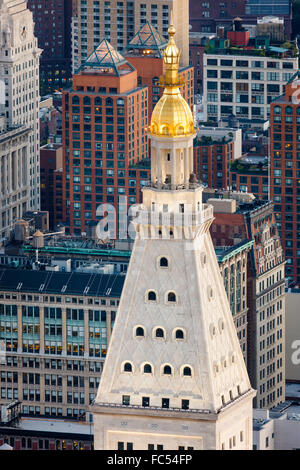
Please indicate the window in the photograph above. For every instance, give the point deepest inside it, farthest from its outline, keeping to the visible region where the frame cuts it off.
(187, 371)
(159, 333)
(167, 370)
(127, 367)
(152, 296)
(171, 297)
(163, 262)
(145, 401)
(165, 403)
(147, 369)
(185, 404)
(126, 400)
(140, 331)
(179, 334)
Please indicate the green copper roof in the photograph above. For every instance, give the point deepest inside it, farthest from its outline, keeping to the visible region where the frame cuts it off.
(225, 253)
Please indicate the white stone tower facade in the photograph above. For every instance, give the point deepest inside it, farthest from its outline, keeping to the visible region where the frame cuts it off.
(19, 80)
(174, 377)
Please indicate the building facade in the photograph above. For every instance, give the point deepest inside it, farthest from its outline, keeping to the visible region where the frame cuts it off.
(244, 84)
(14, 175)
(52, 27)
(47, 434)
(159, 378)
(145, 53)
(51, 184)
(233, 262)
(266, 291)
(118, 21)
(206, 17)
(212, 159)
(250, 174)
(104, 119)
(19, 71)
(55, 338)
(285, 173)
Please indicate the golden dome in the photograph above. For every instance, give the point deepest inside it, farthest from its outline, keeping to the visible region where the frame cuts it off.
(172, 115)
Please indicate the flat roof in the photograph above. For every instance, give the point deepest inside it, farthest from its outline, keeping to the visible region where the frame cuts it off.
(56, 426)
(62, 283)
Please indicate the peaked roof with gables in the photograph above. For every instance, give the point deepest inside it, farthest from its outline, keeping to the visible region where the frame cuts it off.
(107, 59)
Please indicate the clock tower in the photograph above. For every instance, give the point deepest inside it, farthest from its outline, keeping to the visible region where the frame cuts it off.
(174, 377)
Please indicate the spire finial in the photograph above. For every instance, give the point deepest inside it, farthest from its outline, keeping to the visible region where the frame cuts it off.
(171, 29)
(171, 57)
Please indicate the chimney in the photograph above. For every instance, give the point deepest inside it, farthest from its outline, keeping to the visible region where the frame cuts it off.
(221, 32)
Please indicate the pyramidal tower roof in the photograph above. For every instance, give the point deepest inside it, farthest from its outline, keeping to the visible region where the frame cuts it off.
(148, 38)
(106, 59)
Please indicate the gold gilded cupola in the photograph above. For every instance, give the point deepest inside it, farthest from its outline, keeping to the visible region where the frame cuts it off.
(172, 115)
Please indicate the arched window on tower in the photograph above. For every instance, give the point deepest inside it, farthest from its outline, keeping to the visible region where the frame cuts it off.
(171, 297)
(127, 367)
(147, 369)
(152, 296)
(139, 331)
(179, 334)
(159, 333)
(167, 370)
(187, 371)
(163, 262)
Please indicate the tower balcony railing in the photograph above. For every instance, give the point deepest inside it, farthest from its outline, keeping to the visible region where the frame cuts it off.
(152, 408)
(185, 219)
(170, 187)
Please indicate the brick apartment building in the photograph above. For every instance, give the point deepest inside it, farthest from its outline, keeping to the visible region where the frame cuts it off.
(104, 119)
(285, 173)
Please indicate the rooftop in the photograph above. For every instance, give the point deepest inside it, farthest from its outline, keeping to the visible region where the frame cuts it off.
(253, 165)
(105, 59)
(258, 46)
(51, 146)
(63, 283)
(147, 40)
(55, 425)
(226, 252)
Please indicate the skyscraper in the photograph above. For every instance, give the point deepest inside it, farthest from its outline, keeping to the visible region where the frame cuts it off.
(19, 73)
(174, 376)
(52, 22)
